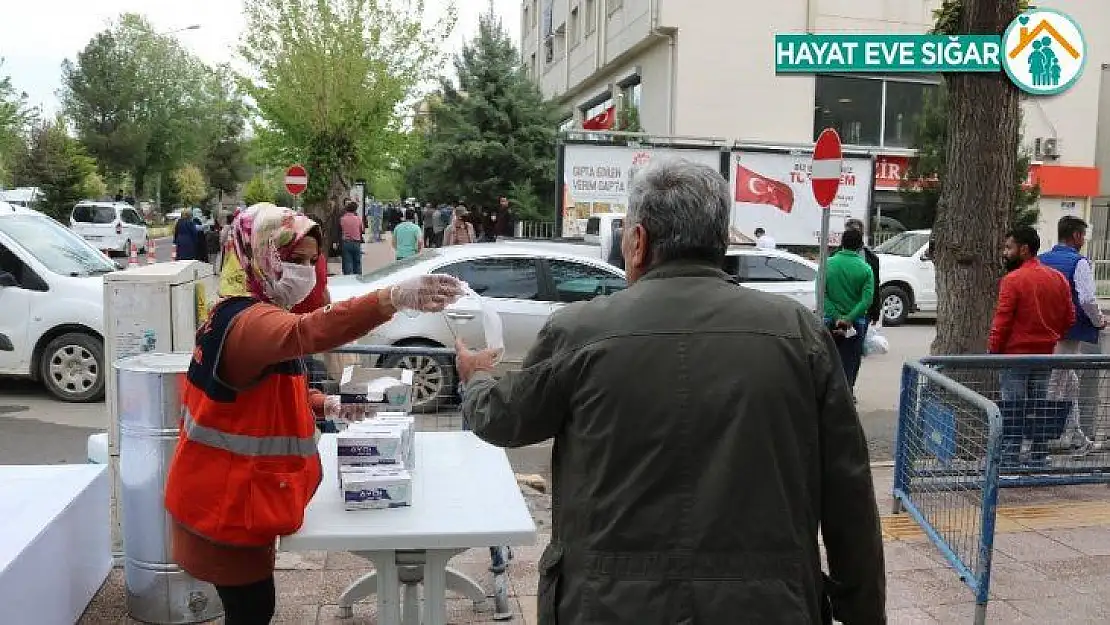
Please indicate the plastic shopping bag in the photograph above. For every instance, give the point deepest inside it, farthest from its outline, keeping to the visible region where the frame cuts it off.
(875, 343)
(1063, 385)
(491, 321)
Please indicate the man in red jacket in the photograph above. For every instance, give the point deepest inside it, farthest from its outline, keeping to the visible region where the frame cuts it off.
(1034, 310)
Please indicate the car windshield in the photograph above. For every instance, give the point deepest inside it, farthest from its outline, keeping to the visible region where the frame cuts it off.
(94, 214)
(58, 248)
(394, 267)
(904, 244)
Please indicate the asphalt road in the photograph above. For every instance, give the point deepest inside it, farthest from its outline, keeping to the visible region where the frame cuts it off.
(163, 252)
(36, 429)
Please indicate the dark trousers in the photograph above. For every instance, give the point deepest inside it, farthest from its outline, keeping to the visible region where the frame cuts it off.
(252, 604)
(851, 352)
(352, 258)
(429, 236)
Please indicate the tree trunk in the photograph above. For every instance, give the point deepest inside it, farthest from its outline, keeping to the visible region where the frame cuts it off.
(977, 193)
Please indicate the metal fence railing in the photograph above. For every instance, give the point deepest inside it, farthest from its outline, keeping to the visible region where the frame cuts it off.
(946, 471)
(535, 230)
(970, 425)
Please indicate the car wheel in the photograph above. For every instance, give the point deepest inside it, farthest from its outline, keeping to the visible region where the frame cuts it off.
(433, 379)
(72, 367)
(896, 305)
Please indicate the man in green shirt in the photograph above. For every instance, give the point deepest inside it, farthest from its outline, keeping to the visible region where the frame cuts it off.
(849, 289)
(407, 238)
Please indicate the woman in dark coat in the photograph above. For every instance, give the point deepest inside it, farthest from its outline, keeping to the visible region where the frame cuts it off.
(187, 239)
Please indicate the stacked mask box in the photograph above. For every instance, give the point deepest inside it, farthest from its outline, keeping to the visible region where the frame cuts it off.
(376, 390)
(375, 459)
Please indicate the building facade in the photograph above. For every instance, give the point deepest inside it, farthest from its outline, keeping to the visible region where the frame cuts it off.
(705, 68)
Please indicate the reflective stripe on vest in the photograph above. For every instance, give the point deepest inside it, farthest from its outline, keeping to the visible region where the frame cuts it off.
(245, 445)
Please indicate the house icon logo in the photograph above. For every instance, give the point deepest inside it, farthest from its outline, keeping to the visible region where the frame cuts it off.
(1044, 52)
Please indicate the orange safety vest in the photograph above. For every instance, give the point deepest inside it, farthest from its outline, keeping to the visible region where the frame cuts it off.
(246, 463)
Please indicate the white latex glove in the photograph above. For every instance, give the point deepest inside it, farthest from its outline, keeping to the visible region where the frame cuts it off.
(431, 293)
(335, 410)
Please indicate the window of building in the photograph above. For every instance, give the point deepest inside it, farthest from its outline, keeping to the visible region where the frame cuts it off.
(591, 17)
(535, 71)
(631, 94)
(614, 5)
(527, 21)
(549, 49)
(535, 15)
(870, 110)
(573, 28)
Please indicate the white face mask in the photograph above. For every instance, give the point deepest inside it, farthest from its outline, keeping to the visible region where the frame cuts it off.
(296, 282)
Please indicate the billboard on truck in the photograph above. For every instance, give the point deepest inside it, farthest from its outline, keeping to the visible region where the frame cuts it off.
(596, 177)
(771, 190)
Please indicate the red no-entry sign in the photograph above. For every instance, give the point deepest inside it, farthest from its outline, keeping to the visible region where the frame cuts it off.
(296, 179)
(825, 171)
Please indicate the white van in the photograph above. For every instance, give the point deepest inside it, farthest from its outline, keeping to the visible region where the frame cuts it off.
(52, 298)
(109, 226)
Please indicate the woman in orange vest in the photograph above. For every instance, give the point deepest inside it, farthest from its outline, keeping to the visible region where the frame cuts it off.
(246, 464)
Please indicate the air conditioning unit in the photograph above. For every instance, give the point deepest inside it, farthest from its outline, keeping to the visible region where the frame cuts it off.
(1046, 148)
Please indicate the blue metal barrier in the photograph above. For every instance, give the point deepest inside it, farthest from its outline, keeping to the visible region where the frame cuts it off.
(970, 425)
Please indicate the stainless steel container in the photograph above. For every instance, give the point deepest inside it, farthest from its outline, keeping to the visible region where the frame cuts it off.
(158, 591)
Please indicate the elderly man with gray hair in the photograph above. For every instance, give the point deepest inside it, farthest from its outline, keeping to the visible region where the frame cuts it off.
(704, 434)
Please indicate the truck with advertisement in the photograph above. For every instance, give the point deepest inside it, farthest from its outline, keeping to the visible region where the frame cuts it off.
(769, 184)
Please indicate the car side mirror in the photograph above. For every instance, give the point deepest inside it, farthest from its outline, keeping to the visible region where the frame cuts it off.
(7, 279)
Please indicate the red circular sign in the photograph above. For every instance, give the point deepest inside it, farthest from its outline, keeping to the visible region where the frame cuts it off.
(296, 179)
(825, 171)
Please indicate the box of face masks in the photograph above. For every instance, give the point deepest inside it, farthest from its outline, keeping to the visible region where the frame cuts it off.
(379, 390)
(375, 488)
(368, 443)
(400, 419)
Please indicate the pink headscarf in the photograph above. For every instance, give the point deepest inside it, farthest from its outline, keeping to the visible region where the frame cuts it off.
(262, 236)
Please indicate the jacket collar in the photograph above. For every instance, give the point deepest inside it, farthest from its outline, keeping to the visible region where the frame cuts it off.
(685, 269)
(1067, 249)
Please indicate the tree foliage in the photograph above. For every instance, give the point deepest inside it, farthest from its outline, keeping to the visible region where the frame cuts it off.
(58, 165)
(190, 185)
(143, 105)
(329, 79)
(257, 190)
(15, 121)
(491, 133)
(921, 183)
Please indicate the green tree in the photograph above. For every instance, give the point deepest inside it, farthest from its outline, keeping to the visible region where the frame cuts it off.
(94, 187)
(257, 190)
(57, 164)
(15, 120)
(225, 163)
(921, 184)
(491, 132)
(329, 81)
(140, 102)
(976, 204)
(190, 185)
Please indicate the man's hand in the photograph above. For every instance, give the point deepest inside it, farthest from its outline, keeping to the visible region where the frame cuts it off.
(468, 361)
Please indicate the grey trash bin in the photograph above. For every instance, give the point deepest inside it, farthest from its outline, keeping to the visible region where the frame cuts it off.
(158, 591)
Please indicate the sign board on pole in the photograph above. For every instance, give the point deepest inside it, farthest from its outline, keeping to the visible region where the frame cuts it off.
(296, 180)
(825, 172)
(772, 190)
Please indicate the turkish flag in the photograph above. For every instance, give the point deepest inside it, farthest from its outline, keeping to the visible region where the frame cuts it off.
(756, 188)
(601, 121)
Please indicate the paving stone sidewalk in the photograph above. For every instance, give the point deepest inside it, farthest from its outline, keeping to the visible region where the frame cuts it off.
(1051, 565)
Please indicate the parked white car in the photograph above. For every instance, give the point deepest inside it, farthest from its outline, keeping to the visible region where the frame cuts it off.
(52, 303)
(524, 285)
(907, 277)
(774, 271)
(109, 226)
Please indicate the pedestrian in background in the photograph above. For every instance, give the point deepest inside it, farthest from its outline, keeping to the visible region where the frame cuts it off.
(875, 311)
(505, 217)
(440, 223)
(849, 293)
(461, 231)
(229, 492)
(187, 237)
(1083, 337)
(1033, 313)
(351, 229)
(764, 241)
(407, 238)
(428, 222)
(681, 495)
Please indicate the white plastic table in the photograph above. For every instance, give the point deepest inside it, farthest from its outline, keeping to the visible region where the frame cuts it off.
(464, 495)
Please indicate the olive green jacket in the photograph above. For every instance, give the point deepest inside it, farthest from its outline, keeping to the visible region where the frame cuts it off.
(704, 432)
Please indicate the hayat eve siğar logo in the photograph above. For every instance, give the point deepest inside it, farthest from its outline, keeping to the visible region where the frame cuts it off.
(1043, 52)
